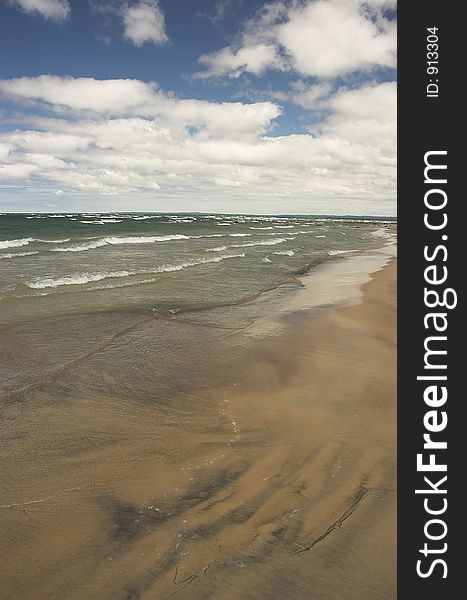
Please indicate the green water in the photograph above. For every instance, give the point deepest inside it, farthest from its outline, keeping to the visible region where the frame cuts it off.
(76, 263)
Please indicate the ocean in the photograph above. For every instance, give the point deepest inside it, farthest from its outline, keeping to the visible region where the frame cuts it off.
(58, 264)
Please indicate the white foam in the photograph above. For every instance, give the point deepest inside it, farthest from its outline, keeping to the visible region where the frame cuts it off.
(336, 252)
(15, 243)
(17, 254)
(92, 245)
(261, 228)
(115, 241)
(381, 233)
(102, 221)
(239, 234)
(49, 282)
(285, 252)
(83, 278)
(145, 239)
(216, 249)
(273, 242)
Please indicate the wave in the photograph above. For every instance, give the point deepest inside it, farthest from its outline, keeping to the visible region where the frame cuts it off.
(49, 282)
(102, 221)
(261, 228)
(336, 252)
(320, 236)
(17, 254)
(92, 245)
(381, 233)
(239, 234)
(285, 252)
(116, 241)
(216, 249)
(284, 226)
(273, 242)
(15, 243)
(83, 278)
(25, 241)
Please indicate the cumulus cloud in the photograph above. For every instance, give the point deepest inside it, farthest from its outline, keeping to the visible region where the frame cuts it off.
(58, 10)
(254, 58)
(308, 96)
(144, 22)
(118, 137)
(319, 38)
(130, 97)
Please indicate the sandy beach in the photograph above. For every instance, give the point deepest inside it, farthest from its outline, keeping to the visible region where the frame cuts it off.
(271, 472)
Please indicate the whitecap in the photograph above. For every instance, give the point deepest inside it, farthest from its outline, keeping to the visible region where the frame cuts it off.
(273, 242)
(83, 278)
(17, 254)
(49, 282)
(216, 249)
(115, 241)
(15, 243)
(336, 252)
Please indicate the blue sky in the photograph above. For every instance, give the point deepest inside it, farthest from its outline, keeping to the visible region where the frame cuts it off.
(235, 105)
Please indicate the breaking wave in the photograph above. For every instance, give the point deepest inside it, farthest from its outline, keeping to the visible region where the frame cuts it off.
(83, 278)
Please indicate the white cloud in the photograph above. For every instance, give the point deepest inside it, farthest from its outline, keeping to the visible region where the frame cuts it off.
(365, 117)
(144, 22)
(109, 96)
(308, 96)
(254, 58)
(130, 97)
(127, 137)
(320, 38)
(58, 10)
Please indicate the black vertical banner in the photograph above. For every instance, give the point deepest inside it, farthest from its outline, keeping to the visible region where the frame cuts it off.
(430, 304)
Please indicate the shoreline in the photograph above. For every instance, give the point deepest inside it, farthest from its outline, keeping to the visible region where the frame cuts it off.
(280, 481)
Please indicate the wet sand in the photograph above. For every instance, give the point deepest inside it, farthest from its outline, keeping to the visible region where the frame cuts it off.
(272, 475)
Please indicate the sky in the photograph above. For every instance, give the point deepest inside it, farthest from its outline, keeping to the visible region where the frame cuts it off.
(239, 106)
